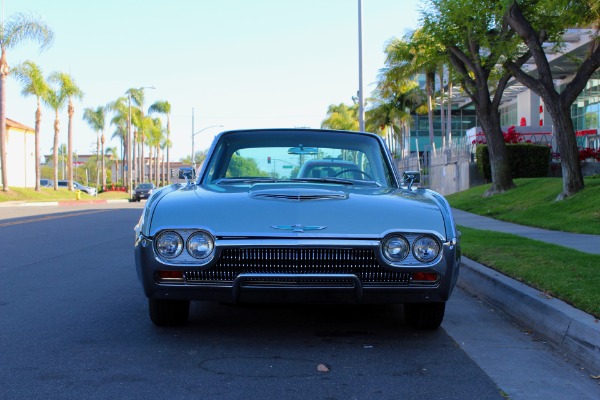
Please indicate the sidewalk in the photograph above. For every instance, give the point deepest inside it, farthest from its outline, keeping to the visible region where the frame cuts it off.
(571, 329)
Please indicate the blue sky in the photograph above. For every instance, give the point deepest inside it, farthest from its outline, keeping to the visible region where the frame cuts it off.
(237, 63)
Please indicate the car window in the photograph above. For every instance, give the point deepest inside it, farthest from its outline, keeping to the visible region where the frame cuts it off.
(145, 186)
(267, 155)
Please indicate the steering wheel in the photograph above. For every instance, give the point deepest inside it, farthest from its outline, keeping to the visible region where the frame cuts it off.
(353, 170)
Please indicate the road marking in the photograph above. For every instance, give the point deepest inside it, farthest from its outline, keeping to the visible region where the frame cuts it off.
(49, 217)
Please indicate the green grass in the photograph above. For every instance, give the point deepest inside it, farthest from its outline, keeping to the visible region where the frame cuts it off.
(533, 203)
(569, 275)
(49, 194)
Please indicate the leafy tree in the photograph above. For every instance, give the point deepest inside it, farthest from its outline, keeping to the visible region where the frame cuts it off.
(477, 38)
(69, 90)
(546, 20)
(241, 166)
(34, 84)
(164, 107)
(14, 30)
(341, 117)
(96, 119)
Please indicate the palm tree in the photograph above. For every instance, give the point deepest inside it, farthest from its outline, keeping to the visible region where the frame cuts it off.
(56, 101)
(120, 120)
(13, 31)
(34, 84)
(164, 107)
(96, 119)
(113, 154)
(155, 140)
(137, 95)
(69, 90)
(417, 53)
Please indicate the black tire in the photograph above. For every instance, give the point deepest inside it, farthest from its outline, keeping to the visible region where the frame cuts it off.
(425, 315)
(169, 312)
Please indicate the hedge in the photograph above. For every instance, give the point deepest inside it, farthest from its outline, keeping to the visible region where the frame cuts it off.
(526, 160)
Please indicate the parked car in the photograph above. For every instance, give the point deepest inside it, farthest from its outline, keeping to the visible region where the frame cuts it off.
(143, 191)
(78, 186)
(46, 183)
(251, 228)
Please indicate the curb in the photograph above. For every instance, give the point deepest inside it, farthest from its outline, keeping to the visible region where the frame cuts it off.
(571, 329)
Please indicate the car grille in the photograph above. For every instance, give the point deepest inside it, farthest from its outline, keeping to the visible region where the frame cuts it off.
(316, 264)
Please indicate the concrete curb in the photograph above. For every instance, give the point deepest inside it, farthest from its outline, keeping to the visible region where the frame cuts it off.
(571, 329)
(58, 203)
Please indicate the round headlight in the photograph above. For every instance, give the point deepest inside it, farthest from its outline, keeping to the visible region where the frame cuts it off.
(395, 248)
(200, 245)
(426, 249)
(169, 244)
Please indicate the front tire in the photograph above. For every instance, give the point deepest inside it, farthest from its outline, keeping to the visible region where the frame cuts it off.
(169, 312)
(425, 315)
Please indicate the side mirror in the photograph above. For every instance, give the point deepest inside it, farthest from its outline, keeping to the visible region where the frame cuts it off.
(187, 173)
(411, 177)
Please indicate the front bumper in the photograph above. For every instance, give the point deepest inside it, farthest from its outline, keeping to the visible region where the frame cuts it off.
(357, 279)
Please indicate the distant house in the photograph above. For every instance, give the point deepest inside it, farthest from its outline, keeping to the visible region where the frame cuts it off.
(20, 154)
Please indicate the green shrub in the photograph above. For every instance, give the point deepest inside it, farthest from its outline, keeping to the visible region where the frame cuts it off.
(526, 160)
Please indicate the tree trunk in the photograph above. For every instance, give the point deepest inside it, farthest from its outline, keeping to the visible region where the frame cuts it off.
(71, 111)
(429, 82)
(103, 169)
(133, 163)
(567, 147)
(3, 134)
(55, 150)
(38, 119)
(500, 167)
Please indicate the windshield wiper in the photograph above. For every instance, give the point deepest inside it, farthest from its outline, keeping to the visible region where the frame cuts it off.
(244, 180)
(339, 181)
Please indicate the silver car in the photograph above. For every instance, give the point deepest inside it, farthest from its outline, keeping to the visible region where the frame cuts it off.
(251, 228)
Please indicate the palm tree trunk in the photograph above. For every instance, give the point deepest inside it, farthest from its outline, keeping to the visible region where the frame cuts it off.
(70, 145)
(55, 150)
(429, 80)
(103, 169)
(3, 139)
(38, 119)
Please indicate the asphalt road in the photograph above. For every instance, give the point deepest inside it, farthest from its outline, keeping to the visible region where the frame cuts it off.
(74, 324)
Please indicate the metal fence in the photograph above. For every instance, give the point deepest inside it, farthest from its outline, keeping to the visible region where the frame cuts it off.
(447, 170)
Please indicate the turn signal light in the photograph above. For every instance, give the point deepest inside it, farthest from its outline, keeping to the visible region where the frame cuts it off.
(170, 275)
(424, 276)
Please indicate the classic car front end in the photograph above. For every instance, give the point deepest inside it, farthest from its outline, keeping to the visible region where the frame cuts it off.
(251, 229)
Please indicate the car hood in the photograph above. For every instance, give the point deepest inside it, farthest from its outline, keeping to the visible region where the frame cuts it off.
(294, 210)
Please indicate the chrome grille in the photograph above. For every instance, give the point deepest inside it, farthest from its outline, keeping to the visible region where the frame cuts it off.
(277, 261)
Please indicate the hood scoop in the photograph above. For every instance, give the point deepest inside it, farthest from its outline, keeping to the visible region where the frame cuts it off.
(298, 195)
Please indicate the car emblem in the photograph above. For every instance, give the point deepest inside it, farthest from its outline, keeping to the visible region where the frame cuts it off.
(299, 227)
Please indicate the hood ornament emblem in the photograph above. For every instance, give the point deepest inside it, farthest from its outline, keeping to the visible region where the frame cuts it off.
(299, 228)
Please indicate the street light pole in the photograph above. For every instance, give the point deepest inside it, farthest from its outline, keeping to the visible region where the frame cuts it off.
(194, 135)
(361, 105)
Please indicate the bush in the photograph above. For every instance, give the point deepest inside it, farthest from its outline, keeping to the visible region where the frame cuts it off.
(526, 160)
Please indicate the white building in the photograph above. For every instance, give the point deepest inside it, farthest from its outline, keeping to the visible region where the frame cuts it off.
(20, 155)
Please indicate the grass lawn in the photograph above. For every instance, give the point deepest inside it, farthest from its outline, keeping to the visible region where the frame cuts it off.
(570, 275)
(532, 203)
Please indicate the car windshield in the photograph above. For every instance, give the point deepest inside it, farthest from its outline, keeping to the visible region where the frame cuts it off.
(248, 157)
(144, 186)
